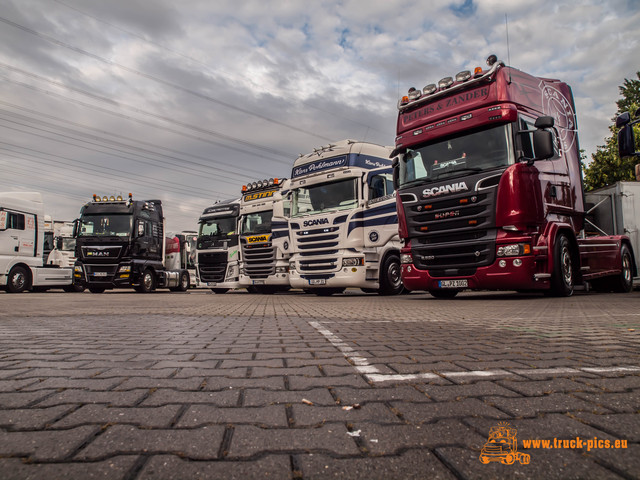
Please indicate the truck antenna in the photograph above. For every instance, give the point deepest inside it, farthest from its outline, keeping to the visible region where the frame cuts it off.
(506, 26)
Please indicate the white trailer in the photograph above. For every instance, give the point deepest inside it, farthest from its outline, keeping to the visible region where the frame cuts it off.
(22, 233)
(343, 223)
(615, 210)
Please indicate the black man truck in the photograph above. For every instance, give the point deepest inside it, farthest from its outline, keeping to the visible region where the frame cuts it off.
(121, 243)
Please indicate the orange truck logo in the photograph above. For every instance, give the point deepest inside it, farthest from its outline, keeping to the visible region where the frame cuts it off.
(258, 239)
(502, 446)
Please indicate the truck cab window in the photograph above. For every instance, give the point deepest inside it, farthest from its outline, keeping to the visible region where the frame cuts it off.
(380, 185)
(15, 221)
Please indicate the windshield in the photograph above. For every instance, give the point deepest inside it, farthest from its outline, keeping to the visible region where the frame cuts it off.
(254, 223)
(469, 153)
(218, 227)
(106, 224)
(68, 244)
(323, 197)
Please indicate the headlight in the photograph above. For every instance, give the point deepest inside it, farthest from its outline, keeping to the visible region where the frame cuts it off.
(515, 250)
(232, 271)
(352, 262)
(77, 268)
(406, 258)
(124, 269)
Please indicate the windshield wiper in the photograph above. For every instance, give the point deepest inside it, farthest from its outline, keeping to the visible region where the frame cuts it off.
(458, 171)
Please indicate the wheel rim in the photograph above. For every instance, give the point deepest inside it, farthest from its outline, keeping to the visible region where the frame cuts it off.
(395, 277)
(148, 281)
(565, 261)
(19, 280)
(626, 268)
(185, 281)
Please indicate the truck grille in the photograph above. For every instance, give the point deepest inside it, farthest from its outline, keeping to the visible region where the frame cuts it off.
(100, 273)
(318, 249)
(454, 235)
(259, 260)
(212, 266)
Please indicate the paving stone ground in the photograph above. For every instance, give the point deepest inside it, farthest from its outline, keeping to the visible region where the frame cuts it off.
(292, 386)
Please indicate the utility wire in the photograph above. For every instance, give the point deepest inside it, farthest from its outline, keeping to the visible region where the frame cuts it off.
(208, 98)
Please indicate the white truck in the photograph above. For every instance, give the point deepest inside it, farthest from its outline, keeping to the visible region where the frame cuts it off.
(343, 222)
(22, 262)
(218, 250)
(264, 236)
(188, 253)
(64, 245)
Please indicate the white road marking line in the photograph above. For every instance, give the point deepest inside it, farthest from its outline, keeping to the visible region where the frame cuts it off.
(362, 365)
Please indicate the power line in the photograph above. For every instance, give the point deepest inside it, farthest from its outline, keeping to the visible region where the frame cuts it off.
(149, 114)
(208, 98)
(133, 119)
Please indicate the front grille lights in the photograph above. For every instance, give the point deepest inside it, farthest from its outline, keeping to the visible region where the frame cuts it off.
(125, 269)
(515, 250)
(352, 262)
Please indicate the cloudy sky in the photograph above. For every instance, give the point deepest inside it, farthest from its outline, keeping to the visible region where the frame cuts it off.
(187, 100)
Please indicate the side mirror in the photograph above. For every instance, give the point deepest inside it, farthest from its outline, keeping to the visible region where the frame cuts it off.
(543, 144)
(626, 141)
(544, 122)
(623, 119)
(76, 227)
(396, 167)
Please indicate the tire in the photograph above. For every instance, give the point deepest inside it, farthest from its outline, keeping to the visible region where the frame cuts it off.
(220, 290)
(18, 280)
(390, 276)
(184, 283)
(484, 459)
(448, 293)
(623, 283)
(96, 289)
(326, 292)
(147, 282)
(562, 280)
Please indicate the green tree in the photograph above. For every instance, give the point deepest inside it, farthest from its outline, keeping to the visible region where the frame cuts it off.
(606, 166)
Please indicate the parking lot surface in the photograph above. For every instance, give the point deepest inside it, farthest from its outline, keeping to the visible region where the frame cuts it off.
(196, 385)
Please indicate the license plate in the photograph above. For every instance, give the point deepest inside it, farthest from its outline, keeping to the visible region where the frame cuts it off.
(453, 283)
(317, 281)
(212, 284)
(100, 274)
(258, 282)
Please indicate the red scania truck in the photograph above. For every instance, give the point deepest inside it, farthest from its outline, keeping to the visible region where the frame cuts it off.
(490, 192)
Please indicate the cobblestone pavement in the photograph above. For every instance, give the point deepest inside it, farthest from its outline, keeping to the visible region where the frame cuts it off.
(196, 385)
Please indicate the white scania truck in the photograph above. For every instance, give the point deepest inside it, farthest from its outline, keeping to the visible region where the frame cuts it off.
(264, 236)
(218, 249)
(343, 223)
(22, 261)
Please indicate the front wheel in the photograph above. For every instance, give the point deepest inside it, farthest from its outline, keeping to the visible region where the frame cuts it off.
(562, 280)
(18, 280)
(390, 276)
